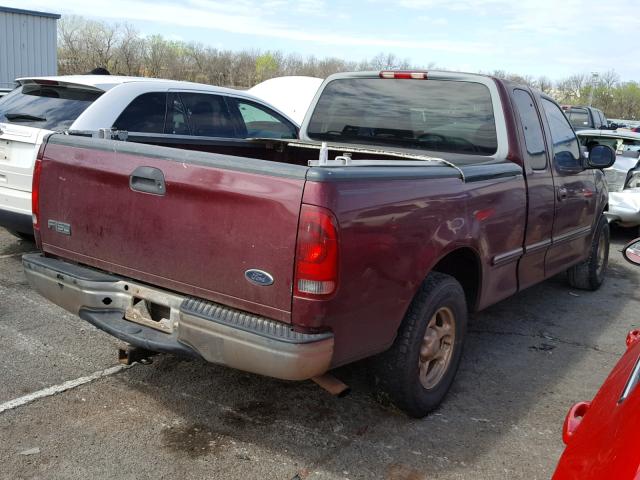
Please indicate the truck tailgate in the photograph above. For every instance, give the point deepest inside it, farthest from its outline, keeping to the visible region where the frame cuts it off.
(216, 218)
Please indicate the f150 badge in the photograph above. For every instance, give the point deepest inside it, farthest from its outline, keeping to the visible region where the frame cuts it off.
(259, 277)
(60, 227)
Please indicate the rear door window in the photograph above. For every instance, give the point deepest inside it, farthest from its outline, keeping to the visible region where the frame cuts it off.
(603, 119)
(261, 122)
(533, 136)
(145, 114)
(176, 121)
(564, 140)
(52, 107)
(208, 115)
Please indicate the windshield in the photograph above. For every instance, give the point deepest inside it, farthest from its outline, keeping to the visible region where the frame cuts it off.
(436, 115)
(51, 107)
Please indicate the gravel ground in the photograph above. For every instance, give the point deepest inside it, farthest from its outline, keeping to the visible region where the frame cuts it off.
(526, 361)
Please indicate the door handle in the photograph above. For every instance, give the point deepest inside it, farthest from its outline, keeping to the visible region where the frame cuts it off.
(562, 193)
(148, 180)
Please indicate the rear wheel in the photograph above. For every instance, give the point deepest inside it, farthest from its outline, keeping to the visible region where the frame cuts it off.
(590, 274)
(418, 369)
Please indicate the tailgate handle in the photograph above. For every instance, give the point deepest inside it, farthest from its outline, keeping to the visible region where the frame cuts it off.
(148, 180)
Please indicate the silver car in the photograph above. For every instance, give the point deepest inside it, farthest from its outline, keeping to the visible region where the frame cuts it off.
(623, 177)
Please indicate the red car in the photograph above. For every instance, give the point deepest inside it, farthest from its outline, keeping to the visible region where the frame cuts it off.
(603, 436)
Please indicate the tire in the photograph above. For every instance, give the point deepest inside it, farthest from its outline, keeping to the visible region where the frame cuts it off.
(413, 383)
(590, 274)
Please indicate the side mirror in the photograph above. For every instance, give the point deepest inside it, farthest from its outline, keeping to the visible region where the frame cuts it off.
(601, 156)
(565, 162)
(631, 252)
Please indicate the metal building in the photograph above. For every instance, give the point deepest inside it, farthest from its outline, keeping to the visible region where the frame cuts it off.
(27, 44)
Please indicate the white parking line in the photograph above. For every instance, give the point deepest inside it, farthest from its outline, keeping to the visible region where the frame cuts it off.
(17, 254)
(47, 392)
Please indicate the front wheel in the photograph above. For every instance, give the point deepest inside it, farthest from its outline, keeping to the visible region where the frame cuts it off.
(590, 274)
(418, 369)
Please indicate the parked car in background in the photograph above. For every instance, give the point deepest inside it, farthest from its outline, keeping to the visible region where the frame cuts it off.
(623, 177)
(4, 91)
(613, 125)
(171, 111)
(601, 436)
(291, 95)
(582, 118)
(411, 199)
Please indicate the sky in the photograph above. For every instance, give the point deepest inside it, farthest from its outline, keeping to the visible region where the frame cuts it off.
(554, 38)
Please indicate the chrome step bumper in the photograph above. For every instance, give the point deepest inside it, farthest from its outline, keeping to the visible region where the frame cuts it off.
(191, 327)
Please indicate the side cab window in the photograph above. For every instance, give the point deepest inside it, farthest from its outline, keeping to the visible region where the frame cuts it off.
(259, 121)
(564, 139)
(146, 113)
(532, 130)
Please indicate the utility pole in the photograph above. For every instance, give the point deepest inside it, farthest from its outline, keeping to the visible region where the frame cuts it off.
(594, 77)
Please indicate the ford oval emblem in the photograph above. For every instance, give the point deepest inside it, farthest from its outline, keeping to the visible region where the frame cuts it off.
(259, 277)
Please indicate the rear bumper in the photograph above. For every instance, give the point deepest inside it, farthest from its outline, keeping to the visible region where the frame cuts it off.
(195, 328)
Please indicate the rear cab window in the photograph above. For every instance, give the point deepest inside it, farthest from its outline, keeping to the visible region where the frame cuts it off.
(438, 115)
(51, 106)
(579, 117)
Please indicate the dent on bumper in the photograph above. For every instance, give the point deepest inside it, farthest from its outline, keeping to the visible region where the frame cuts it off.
(624, 207)
(198, 328)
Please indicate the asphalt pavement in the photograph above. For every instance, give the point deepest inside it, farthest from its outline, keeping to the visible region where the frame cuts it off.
(526, 361)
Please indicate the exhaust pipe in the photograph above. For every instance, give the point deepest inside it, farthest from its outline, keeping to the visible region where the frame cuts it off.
(129, 355)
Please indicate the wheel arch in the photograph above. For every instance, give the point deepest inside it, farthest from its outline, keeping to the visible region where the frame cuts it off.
(464, 265)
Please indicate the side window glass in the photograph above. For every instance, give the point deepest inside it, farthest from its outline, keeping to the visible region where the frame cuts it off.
(176, 122)
(603, 120)
(533, 136)
(144, 114)
(262, 123)
(564, 140)
(208, 115)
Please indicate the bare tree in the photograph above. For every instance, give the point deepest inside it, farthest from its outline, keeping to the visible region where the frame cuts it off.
(85, 44)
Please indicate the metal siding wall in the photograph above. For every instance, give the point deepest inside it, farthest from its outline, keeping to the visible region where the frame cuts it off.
(27, 47)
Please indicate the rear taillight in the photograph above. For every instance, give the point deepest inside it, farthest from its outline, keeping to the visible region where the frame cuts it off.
(316, 253)
(35, 194)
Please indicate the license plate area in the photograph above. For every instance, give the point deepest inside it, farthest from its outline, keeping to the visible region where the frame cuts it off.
(150, 314)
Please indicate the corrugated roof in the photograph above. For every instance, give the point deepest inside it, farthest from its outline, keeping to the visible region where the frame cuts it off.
(29, 12)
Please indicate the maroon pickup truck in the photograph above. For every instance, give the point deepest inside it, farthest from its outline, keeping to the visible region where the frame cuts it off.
(410, 199)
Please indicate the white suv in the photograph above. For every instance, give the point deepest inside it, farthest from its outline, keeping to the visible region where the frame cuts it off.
(88, 103)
